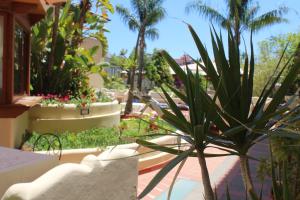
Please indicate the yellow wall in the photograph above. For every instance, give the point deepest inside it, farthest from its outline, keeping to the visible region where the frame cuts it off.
(12, 130)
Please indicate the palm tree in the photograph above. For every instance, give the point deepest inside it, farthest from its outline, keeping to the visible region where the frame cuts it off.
(241, 15)
(145, 14)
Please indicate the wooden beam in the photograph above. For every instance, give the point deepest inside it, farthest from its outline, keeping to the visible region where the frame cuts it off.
(18, 107)
(21, 8)
(34, 18)
(8, 62)
(5, 6)
(55, 1)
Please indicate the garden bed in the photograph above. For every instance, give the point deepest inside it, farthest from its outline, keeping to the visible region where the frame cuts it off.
(75, 146)
(127, 132)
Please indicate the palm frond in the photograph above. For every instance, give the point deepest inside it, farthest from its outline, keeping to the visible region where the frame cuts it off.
(139, 8)
(251, 12)
(206, 11)
(152, 33)
(155, 15)
(128, 18)
(270, 18)
(249, 16)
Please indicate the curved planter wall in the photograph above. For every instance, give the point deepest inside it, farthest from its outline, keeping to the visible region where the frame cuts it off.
(148, 159)
(54, 118)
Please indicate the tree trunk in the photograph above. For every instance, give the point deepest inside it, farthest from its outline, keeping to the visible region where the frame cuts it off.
(208, 191)
(129, 77)
(237, 33)
(128, 107)
(246, 175)
(85, 6)
(54, 39)
(141, 60)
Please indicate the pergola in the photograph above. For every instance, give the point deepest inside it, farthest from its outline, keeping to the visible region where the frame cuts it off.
(16, 19)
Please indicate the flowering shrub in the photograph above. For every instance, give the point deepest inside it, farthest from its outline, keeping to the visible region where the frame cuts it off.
(83, 101)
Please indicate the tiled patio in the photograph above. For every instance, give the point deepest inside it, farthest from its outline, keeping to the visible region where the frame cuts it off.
(223, 171)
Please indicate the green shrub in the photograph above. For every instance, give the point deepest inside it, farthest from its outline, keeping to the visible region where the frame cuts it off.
(103, 137)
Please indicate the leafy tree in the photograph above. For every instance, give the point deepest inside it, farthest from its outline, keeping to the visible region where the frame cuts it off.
(270, 52)
(142, 19)
(59, 65)
(158, 70)
(241, 15)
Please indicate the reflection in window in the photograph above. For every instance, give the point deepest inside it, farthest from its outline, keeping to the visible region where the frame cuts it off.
(20, 61)
(1, 53)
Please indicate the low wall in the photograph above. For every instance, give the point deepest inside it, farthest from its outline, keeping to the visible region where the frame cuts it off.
(147, 157)
(76, 155)
(20, 166)
(54, 118)
(111, 175)
(136, 107)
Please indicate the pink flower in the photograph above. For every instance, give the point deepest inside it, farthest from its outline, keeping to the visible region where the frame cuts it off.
(66, 98)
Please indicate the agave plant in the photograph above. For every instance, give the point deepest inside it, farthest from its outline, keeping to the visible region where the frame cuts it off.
(196, 129)
(240, 126)
(245, 125)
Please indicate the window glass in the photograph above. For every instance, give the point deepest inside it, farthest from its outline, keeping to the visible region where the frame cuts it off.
(19, 61)
(1, 53)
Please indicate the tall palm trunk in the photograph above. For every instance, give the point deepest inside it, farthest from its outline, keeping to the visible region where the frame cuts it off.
(208, 191)
(141, 59)
(237, 33)
(237, 23)
(128, 107)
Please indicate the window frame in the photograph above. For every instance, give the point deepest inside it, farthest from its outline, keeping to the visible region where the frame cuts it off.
(26, 87)
(4, 61)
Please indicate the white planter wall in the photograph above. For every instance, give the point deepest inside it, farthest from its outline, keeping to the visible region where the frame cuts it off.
(57, 119)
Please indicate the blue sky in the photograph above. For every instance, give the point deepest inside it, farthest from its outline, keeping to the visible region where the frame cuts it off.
(175, 37)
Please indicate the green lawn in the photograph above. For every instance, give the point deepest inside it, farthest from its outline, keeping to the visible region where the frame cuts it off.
(127, 132)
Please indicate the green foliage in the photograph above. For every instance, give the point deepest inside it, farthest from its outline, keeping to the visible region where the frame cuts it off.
(270, 52)
(158, 70)
(239, 124)
(127, 63)
(285, 156)
(121, 60)
(240, 15)
(59, 65)
(142, 18)
(144, 15)
(115, 83)
(103, 137)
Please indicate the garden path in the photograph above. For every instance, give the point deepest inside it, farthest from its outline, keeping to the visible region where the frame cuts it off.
(223, 171)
